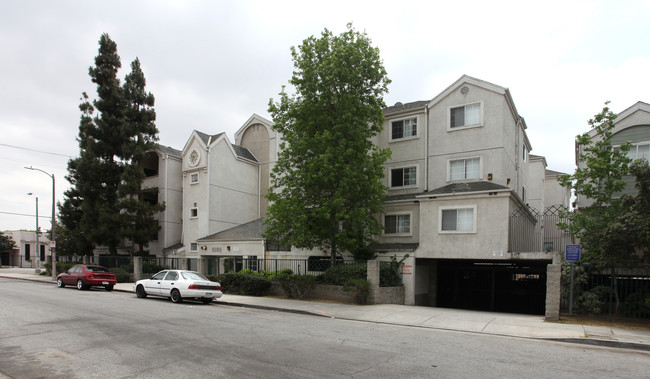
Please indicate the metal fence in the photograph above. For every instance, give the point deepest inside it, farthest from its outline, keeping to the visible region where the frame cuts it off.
(531, 231)
(273, 267)
(337, 272)
(624, 293)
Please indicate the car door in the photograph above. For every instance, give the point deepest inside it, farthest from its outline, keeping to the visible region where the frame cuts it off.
(152, 286)
(168, 283)
(73, 274)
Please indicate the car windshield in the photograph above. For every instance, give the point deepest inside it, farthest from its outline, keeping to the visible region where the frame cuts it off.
(97, 268)
(191, 275)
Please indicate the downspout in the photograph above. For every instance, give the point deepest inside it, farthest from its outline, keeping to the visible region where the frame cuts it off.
(166, 220)
(259, 190)
(426, 148)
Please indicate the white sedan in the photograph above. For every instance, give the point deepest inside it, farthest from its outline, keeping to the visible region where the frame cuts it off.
(178, 285)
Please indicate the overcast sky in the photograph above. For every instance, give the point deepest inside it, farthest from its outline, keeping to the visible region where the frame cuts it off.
(212, 64)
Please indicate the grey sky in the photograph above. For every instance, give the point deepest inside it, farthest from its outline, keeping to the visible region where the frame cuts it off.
(212, 64)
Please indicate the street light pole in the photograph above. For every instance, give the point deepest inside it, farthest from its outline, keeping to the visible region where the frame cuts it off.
(53, 241)
(38, 247)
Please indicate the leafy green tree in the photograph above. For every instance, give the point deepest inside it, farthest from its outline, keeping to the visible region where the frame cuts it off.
(631, 230)
(599, 181)
(7, 244)
(326, 188)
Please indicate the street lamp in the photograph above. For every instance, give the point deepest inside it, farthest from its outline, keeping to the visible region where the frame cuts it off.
(38, 247)
(53, 240)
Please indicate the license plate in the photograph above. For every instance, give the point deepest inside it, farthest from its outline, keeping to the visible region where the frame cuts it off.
(105, 283)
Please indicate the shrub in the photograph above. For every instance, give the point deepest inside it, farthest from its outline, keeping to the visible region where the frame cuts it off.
(389, 275)
(361, 289)
(122, 275)
(297, 286)
(151, 268)
(242, 284)
(342, 273)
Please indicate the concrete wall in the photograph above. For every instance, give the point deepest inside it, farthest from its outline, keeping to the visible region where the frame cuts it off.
(489, 241)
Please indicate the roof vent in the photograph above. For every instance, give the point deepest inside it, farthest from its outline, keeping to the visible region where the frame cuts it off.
(398, 104)
(464, 90)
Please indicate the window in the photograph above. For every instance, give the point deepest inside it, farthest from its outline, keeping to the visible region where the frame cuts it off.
(462, 169)
(457, 220)
(467, 115)
(525, 157)
(397, 224)
(42, 252)
(194, 246)
(159, 276)
(401, 177)
(172, 275)
(194, 178)
(404, 128)
(194, 212)
(640, 151)
(27, 252)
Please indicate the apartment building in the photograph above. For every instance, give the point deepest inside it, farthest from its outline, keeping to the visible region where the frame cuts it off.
(465, 206)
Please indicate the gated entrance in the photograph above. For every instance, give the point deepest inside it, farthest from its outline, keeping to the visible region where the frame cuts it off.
(497, 286)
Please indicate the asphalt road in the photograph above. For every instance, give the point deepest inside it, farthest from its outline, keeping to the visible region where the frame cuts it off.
(47, 332)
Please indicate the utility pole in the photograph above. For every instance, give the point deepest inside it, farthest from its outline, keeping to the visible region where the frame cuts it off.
(53, 240)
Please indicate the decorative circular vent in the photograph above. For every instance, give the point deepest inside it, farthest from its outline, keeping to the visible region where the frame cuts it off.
(464, 90)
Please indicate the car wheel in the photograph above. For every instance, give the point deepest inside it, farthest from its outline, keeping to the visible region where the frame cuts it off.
(176, 296)
(206, 300)
(59, 283)
(80, 285)
(140, 292)
(109, 287)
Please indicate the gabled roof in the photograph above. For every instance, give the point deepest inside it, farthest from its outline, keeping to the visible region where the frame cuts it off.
(554, 173)
(466, 79)
(399, 107)
(639, 106)
(467, 188)
(206, 138)
(243, 152)
(250, 231)
(170, 150)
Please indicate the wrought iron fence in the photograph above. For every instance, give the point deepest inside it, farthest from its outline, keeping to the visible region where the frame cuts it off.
(531, 231)
(272, 267)
(623, 293)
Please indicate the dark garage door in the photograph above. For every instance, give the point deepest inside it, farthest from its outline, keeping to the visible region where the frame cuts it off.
(497, 286)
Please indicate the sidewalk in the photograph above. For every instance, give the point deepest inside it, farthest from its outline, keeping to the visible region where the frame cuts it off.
(502, 324)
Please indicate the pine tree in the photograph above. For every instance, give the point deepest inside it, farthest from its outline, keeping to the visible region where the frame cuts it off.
(141, 134)
(105, 203)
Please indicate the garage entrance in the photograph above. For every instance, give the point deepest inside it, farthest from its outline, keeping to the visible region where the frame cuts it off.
(496, 286)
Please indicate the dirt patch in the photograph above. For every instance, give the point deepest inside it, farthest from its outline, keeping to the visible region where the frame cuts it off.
(615, 323)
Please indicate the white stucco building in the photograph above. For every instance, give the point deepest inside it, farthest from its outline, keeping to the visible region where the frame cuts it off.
(466, 199)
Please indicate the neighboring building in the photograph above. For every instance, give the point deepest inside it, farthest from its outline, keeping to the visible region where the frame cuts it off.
(27, 253)
(632, 125)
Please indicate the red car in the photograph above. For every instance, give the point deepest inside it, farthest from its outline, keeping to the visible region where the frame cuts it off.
(86, 276)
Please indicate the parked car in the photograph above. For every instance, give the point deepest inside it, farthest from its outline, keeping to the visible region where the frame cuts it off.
(178, 285)
(86, 276)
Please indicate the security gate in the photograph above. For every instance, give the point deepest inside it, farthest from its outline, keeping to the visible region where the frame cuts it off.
(497, 286)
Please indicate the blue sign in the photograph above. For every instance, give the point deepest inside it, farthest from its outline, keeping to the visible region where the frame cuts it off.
(572, 253)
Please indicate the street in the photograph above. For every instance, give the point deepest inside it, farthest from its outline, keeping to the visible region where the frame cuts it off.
(48, 332)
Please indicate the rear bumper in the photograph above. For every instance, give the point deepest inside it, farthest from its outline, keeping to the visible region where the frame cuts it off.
(99, 282)
(201, 293)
